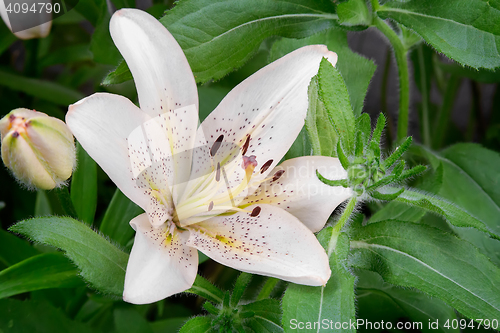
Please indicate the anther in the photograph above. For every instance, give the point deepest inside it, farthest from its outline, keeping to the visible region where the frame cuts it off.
(216, 145)
(245, 146)
(266, 166)
(255, 211)
(217, 173)
(278, 175)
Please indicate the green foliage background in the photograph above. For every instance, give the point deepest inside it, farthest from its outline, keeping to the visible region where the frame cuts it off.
(431, 254)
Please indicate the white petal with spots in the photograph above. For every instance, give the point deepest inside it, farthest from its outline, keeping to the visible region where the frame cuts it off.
(270, 106)
(162, 75)
(158, 267)
(273, 243)
(102, 124)
(299, 191)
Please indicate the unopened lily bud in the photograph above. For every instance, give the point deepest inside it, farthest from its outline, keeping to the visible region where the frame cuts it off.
(38, 149)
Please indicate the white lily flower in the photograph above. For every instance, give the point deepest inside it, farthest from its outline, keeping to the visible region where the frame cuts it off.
(215, 187)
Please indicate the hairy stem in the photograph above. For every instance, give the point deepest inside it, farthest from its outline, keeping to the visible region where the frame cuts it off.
(424, 90)
(342, 221)
(400, 54)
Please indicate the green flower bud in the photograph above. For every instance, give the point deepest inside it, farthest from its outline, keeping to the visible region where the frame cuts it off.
(38, 149)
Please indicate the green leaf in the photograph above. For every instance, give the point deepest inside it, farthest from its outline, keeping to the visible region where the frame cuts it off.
(198, 325)
(469, 178)
(453, 213)
(415, 305)
(46, 90)
(466, 31)
(354, 12)
(203, 288)
(101, 263)
(119, 75)
(48, 270)
(84, 186)
(101, 45)
(482, 75)
(205, 27)
(120, 212)
(7, 38)
(355, 69)
(267, 315)
(38, 316)
(300, 147)
(239, 287)
(333, 93)
(9, 242)
(68, 54)
(128, 320)
(438, 263)
(171, 325)
(333, 303)
(321, 133)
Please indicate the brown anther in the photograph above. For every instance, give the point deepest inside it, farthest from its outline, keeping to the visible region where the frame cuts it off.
(249, 160)
(217, 173)
(216, 145)
(245, 146)
(266, 166)
(255, 211)
(211, 206)
(278, 175)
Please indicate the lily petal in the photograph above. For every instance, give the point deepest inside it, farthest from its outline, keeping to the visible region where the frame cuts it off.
(270, 106)
(159, 266)
(162, 75)
(299, 191)
(272, 243)
(102, 124)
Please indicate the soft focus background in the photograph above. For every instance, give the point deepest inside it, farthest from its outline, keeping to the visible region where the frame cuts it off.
(51, 73)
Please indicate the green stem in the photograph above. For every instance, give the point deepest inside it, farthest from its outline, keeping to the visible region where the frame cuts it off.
(424, 89)
(342, 221)
(65, 201)
(267, 288)
(383, 98)
(404, 76)
(443, 117)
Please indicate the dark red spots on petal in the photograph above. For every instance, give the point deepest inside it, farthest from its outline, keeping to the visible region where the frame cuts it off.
(216, 145)
(278, 175)
(255, 211)
(12, 117)
(266, 166)
(15, 135)
(211, 206)
(245, 146)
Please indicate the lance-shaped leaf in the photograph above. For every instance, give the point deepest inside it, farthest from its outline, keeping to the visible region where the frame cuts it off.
(467, 31)
(48, 270)
(100, 262)
(204, 27)
(438, 263)
(334, 302)
(453, 213)
(378, 300)
(321, 133)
